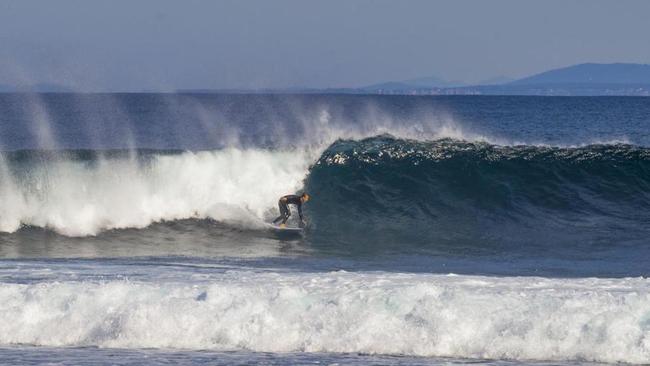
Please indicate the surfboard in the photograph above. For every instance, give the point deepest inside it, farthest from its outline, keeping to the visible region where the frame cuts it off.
(286, 229)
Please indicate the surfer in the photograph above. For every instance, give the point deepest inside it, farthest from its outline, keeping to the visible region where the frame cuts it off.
(284, 203)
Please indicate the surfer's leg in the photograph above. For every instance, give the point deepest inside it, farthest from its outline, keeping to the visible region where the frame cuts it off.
(284, 212)
(283, 207)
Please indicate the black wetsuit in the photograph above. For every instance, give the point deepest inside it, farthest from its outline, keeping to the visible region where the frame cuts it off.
(284, 203)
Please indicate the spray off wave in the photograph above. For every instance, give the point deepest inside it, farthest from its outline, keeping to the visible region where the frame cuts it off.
(82, 192)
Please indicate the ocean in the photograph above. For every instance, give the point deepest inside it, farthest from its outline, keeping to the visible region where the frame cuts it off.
(442, 230)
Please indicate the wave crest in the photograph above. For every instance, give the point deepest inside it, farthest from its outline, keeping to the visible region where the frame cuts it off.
(452, 193)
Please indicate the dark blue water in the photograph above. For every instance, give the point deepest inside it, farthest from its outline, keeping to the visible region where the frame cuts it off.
(126, 211)
(169, 121)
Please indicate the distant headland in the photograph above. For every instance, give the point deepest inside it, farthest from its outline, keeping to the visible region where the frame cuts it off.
(587, 79)
(582, 79)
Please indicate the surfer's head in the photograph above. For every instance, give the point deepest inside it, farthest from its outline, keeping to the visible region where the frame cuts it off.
(304, 197)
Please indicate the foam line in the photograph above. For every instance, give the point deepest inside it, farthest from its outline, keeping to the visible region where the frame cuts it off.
(605, 320)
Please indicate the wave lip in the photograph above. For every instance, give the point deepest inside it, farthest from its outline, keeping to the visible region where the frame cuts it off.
(603, 320)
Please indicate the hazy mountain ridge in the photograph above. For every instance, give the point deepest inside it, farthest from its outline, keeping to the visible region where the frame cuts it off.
(581, 79)
(591, 73)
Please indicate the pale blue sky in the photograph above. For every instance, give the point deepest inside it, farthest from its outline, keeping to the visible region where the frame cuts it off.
(164, 45)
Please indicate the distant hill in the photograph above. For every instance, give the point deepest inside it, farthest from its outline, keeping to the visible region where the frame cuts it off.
(390, 85)
(496, 81)
(590, 73)
(583, 79)
(433, 82)
(411, 84)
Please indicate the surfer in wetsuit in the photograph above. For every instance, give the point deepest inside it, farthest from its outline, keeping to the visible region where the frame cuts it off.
(284, 203)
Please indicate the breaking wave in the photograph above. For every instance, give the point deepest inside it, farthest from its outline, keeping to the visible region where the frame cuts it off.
(84, 195)
(377, 190)
(603, 320)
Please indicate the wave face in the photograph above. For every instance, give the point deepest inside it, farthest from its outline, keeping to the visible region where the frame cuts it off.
(408, 314)
(452, 194)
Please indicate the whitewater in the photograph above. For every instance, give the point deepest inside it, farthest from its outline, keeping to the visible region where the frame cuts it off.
(466, 230)
(76, 199)
(602, 320)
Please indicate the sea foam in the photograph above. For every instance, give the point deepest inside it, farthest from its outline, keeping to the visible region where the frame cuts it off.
(78, 198)
(605, 320)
